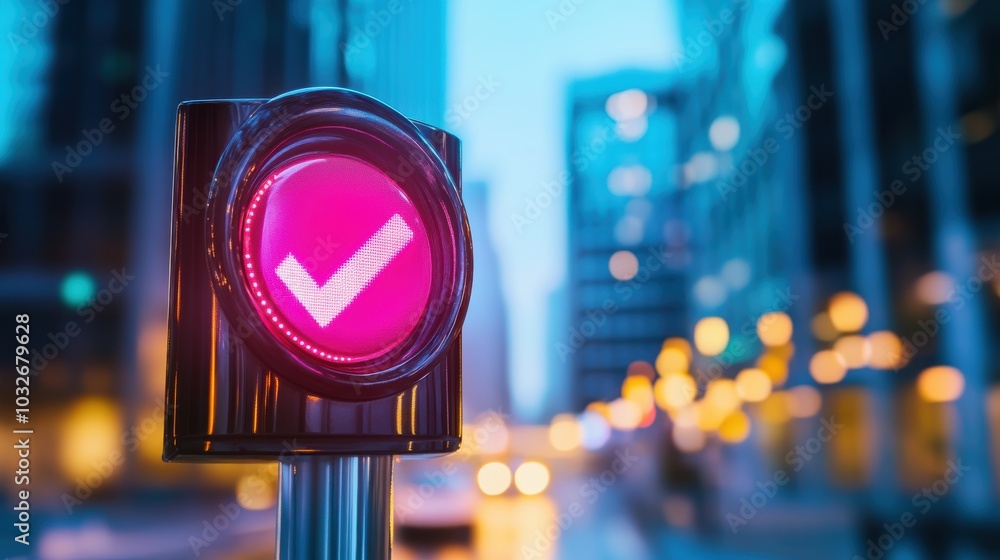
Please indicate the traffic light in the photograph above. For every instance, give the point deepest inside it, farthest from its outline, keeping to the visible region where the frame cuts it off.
(320, 271)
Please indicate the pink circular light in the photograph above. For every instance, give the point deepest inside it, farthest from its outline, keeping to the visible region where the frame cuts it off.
(337, 258)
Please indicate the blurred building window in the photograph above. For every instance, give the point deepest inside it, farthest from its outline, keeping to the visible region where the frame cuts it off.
(24, 63)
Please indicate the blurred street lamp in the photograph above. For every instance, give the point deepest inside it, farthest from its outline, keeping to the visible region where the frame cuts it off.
(848, 312)
(753, 385)
(531, 478)
(735, 428)
(940, 384)
(723, 395)
(886, 350)
(671, 360)
(494, 478)
(855, 351)
(711, 336)
(674, 391)
(827, 367)
(774, 329)
(775, 367)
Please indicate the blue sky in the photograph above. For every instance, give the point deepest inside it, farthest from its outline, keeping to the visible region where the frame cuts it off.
(510, 64)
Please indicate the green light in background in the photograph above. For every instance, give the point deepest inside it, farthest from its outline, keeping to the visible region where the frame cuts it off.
(77, 288)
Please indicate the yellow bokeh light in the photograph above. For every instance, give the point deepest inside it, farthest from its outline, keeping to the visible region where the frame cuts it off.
(494, 478)
(708, 418)
(711, 336)
(753, 385)
(886, 350)
(804, 401)
(681, 344)
(827, 367)
(775, 367)
(735, 428)
(564, 432)
(255, 492)
(671, 360)
(721, 395)
(940, 384)
(688, 439)
(639, 390)
(848, 312)
(855, 351)
(774, 329)
(624, 415)
(774, 409)
(91, 435)
(531, 478)
(674, 391)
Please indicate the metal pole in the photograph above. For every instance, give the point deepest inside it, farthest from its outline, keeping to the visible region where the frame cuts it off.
(335, 508)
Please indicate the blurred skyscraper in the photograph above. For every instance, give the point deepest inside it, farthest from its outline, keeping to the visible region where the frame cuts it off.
(838, 140)
(395, 51)
(627, 236)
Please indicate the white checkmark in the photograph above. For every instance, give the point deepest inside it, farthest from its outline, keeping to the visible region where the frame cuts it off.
(325, 303)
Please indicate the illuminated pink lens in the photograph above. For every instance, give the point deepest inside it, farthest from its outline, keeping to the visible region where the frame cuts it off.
(337, 258)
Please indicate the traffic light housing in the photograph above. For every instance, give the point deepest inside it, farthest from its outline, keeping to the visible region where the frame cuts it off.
(321, 267)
